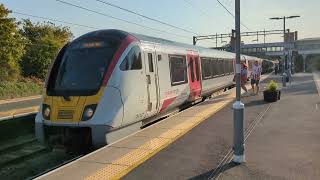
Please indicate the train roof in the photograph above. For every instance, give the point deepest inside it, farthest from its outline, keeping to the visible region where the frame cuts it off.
(144, 38)
(202, 50)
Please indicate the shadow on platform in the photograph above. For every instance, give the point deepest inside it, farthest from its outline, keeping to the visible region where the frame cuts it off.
(215, 172)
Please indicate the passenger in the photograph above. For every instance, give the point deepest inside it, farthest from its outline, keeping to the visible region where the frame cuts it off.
(244, 77)
(255, 77)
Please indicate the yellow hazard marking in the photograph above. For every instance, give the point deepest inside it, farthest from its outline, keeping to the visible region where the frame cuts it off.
(75, 105)
(122, 166)
(15, 112)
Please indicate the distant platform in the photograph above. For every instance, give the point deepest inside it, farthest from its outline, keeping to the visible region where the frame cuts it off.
(17, 107)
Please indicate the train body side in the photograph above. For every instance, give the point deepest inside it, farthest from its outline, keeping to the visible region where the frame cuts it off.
(147, 79)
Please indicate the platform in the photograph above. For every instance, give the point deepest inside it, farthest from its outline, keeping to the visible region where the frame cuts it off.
(285, 144)
(196, 143)
(17, 107)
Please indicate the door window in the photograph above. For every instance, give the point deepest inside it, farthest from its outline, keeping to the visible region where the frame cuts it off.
(191, 69)
(197, 70)
(150, 60)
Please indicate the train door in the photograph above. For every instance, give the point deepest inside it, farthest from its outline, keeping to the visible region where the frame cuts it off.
(194, 76)
(152, 81)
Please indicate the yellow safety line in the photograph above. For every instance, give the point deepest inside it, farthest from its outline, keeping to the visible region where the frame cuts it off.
(123, 165)
(15, 112)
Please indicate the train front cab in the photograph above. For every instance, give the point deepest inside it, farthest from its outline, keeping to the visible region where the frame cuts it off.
(76, 95)
(126, 91)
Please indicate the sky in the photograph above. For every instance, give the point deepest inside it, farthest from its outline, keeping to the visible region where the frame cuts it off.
(198, 16)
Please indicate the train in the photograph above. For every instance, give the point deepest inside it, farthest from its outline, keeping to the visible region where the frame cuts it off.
(107, 84)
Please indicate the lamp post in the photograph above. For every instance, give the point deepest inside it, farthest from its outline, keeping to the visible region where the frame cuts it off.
(284, 35)
(238, 106)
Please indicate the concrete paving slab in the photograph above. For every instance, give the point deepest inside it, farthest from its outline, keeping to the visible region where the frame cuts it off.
(174, 121)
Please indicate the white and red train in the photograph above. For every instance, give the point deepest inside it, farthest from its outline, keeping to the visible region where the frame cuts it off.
(109, 83)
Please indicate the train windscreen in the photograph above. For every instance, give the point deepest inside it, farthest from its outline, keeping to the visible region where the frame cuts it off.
(83, 66)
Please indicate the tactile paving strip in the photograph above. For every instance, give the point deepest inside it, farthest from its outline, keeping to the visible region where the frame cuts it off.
(108, 172)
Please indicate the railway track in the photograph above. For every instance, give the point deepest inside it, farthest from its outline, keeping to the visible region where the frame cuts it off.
(19, 149)
(21, 156)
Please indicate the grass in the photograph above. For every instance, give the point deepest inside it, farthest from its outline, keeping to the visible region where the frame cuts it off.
(22, 88)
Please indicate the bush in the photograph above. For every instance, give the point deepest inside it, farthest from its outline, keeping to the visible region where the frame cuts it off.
(12, 46)
(26, 87)
(272, 86)
(44, 42)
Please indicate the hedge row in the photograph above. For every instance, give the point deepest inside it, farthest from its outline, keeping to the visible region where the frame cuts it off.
(19, 89)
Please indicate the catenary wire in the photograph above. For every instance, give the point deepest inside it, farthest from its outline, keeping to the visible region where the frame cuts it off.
(146, 17)
(229, 12)
(119, 19)
(53, 19)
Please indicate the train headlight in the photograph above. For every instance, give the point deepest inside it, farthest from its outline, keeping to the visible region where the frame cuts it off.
(88, 112)
(46, 111)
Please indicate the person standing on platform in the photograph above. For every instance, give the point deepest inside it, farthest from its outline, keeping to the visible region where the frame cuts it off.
(244, 77)
(255, 77)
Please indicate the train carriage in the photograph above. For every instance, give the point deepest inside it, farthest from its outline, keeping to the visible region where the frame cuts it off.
(109, 83)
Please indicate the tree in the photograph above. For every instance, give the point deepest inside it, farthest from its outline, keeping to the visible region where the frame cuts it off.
(12, 46)
(44, 42)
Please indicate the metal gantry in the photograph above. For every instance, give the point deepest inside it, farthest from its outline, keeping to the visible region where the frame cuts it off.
(284, 40)
(216, 37)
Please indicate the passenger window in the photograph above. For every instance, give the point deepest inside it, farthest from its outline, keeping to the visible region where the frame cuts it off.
(226, 67)
(215, 67)
(206, 68)
(231, 67)
(150, 62)
(221, 68)
(132, 61)
(178, 70)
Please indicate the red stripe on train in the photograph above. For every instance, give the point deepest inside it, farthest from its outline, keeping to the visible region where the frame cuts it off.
(125, 43)
(166, 103)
